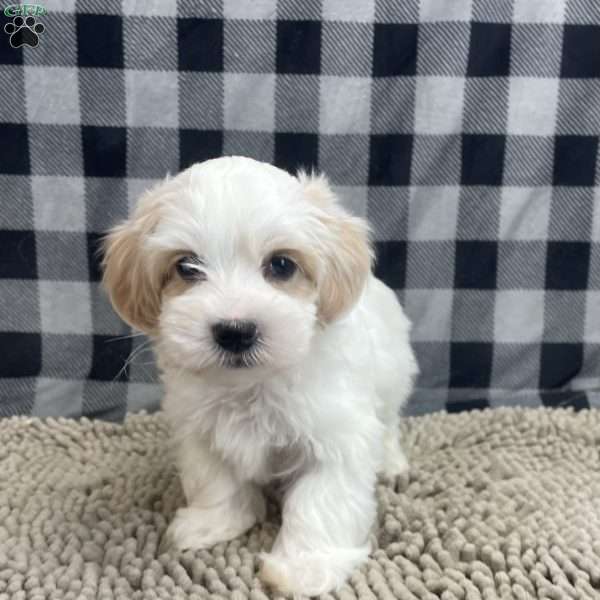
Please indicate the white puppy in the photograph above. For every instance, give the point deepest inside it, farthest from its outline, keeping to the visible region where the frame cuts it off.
(283, 358)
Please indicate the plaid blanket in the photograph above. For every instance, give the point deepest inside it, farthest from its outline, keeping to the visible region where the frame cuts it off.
(465, 131)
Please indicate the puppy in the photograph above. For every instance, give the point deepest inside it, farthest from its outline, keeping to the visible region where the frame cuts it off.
(283, 359)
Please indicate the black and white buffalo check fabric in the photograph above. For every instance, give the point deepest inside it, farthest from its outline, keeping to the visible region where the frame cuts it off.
(466, 131)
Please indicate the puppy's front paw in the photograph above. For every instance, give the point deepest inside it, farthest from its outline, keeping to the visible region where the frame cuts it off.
(195, 529)
(310, 574)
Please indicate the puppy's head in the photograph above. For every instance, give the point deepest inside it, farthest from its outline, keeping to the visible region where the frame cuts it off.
(233, 264)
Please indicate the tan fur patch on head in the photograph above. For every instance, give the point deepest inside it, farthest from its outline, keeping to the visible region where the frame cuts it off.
(133, 277)
(348, 254)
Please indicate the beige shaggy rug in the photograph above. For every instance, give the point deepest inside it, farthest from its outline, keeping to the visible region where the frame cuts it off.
(498, 504)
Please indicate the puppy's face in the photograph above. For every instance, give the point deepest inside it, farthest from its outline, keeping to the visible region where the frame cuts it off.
(231, 266)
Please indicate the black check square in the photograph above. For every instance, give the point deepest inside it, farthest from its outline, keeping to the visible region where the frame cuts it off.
(581, 49)
(25, 356)
(100, 41)
(109, 355)
(567, 265)
(390, 264)
(390, 159)
(489, 52)
(395, 49)
(565, 399)
(559, 364)
(295, 151)
(8, 54)
(199, 145)
(200, 44)
(575, 159)
(14, 149)
(104, 151)
(483, 159)
(299, 47)
(471, 364)
(18, 256)
(476, 264)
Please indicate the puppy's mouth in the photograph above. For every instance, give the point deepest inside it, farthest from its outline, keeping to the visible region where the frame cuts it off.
(239, 360)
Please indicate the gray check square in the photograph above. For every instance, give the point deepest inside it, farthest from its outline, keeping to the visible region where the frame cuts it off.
(152, 152)
(57, 398)
(473, 316)
(557, 305)
(256, 10)
(12, 92)
(540, 11)
(250, 46)
(58, 203)
(249, 102)
(387, 212)
(153, 8)
(514, 367)
(24, 295)
(201, 100)
(439, 105)
(137, 187)
(443, 48)
(140, 35)
(151, 98)
(397, 11)
(17, 202)
(50, 245)
(433, 213)
(55, 150)
(532, 106)
(492, 11)
(393, 105)
(436, 160)
(521, 265)
(571, 213)
(294, 116)
(100, 216)
(106, 399)
(65, 307)
(539, 59)
(307, 10)
(59, 45)
(529, 161)
(525, 213)
(254, 144)
(342, 10)
(519, 316)
(430, 312)
(434, 358)
(346, 48)
(592, 317)
(353, 197)
(105, 320)
(582, 11)
(439, 258)
(108, 84)
(58, 83)
(210, 9)
(344, 158)
(345, 105)
(144, 396)
(434, 10)
(66, 356)
(578, 103)
(486, 105)
(478, 213)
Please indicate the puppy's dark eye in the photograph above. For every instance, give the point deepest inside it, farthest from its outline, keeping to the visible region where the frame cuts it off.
(280, 267)
(190, 268)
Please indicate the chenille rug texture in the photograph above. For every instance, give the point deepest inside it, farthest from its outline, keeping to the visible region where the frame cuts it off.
(497, 504)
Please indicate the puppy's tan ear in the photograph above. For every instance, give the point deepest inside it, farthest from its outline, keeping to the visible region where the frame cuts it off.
(346, 250)
(132, 280)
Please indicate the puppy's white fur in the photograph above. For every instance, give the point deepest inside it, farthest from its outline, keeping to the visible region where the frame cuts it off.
(317, 408)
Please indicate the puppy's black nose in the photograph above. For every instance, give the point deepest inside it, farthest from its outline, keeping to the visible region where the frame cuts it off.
(235, 336)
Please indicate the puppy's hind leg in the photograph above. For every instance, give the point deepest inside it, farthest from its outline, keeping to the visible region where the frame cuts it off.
(394, 460)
